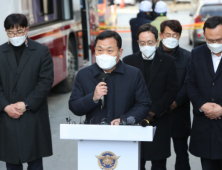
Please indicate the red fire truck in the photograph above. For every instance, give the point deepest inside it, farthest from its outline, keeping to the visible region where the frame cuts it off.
(67, 27)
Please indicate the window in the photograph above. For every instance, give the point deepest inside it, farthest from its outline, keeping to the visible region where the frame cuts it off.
(46, 7)
(211, 10)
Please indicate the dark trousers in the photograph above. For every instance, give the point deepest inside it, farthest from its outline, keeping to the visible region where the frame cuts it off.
(156, 165)
(208, 164)
(33, 165)
(182, 156)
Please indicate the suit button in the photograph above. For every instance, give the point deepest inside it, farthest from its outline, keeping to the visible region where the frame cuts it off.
(213, 84)
(212, 99)
(15, 93)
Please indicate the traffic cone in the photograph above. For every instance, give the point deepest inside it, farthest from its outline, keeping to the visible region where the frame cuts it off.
(122, 4)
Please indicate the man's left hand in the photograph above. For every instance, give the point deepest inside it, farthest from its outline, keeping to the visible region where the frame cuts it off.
(22, 107)
(173, 105)
(115, 122)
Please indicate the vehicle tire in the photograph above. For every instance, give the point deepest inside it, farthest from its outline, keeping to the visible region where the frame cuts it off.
(190, 42)
(66, 85)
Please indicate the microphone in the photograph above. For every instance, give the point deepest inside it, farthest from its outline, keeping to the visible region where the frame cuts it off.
(104, 122)
(103, 78)
(130, 120)
(68, 120)
(144, 123)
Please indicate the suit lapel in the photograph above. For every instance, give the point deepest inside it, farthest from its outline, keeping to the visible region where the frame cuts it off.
(10, 55)
(157, 61)
(209, 62)
(138, 60)
(219, 70)
(24, 59)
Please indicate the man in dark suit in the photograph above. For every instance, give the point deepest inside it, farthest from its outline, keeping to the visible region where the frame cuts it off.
(143, 17)
(159, 71)
(203, 83)
(180, 118)
(26, 77)
(125, 89)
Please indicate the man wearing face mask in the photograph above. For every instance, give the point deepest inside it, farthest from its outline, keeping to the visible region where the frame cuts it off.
(203, 83)
(159, 71)
(180, 118)
(124, 90)
(26, 78)
(143, 17)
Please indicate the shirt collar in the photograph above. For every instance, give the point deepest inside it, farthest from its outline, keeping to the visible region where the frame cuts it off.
(216, 57)
(150, 58)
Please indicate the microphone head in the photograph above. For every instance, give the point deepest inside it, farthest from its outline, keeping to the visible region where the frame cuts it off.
(103, 76)
(144, 123)
(131, 120)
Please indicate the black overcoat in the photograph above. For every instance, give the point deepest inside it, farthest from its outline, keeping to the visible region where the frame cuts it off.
(29, 137)
(127, 94)
(162, 86)
(135, 23)
(180, 117)
(204, 85)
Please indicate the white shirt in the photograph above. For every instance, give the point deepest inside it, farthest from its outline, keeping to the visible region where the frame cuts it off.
(216, 61)
(150, 58)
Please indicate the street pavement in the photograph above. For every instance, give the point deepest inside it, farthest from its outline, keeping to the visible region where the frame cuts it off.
(65, 151)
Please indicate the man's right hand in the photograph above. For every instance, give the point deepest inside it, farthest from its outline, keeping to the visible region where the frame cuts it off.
(101, 90)
(11, 110)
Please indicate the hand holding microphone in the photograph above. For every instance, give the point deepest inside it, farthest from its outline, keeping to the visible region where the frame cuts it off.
(101, 90)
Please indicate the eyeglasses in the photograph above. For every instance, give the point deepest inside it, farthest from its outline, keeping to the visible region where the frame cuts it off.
(168, 35)
(149, 43)
(218, 41)
(18, 34)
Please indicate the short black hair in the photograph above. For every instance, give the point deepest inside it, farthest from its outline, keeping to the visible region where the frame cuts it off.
(212, 22)
(15, 20)
(109, 34)
(147, 27)
(172, 24)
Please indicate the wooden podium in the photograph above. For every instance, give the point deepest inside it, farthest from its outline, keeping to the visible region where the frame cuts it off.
(108, 147)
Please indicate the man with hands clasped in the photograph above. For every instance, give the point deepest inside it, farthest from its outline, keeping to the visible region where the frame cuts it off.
(26, 78)
(180, 118)
(124, 91)
(203, 83)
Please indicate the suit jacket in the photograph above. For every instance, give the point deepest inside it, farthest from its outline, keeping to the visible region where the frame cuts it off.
(204, 85)
(180, 117)
(135, 23)
(162, 86)
(29, 137)
(127, 94)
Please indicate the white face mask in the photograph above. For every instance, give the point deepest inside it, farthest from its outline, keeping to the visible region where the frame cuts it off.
(170, 43)
(148, 51)
(105, 61)
(215, 48)
(17, 41)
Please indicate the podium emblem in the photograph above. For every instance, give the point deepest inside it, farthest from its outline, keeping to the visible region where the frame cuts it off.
(107, 160)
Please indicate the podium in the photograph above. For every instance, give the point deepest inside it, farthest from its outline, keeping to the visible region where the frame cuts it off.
(108, 147)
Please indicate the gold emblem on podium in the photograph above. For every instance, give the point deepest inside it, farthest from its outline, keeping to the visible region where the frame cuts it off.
(107, 160)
